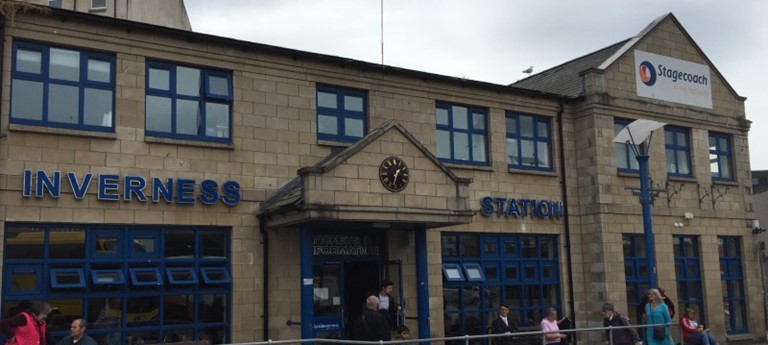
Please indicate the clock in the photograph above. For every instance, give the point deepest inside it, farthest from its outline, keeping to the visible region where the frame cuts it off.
(394, 174)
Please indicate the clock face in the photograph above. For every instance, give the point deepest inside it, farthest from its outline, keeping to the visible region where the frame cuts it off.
(394, 174)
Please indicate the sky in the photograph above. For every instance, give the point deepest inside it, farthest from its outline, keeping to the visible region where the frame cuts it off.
(495, 40)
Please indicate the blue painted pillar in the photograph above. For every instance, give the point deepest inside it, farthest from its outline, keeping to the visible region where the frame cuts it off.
(645, 201)
(422, 281)
(305, 252)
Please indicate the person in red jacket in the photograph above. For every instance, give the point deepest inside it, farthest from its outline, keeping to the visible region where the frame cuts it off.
(693, 332)
(28, 326)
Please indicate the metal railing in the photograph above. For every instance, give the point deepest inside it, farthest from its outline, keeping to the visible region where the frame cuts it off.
(467, 339)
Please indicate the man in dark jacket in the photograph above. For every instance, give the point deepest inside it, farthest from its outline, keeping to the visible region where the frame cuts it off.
(502, 325)
(371, 325)
(624, 336)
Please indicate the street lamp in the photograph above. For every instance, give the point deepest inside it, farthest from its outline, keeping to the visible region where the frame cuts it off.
(638, 135)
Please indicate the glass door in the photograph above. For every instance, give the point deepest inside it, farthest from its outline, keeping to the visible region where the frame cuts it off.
(327, 300)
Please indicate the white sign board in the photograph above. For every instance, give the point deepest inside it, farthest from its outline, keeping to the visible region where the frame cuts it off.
(667, 79)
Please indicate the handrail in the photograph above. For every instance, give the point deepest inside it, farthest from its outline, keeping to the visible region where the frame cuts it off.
(465, 338)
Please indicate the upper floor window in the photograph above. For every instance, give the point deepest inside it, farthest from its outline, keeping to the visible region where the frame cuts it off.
(678, 151)
(54, 3)
(626, 160)
(529, 142)
(720, 156)
(188, 102)
(98, 4)
(342, 114)
(462, 134)
(62, 87)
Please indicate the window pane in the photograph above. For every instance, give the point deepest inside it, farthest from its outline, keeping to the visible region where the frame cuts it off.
(212, 308)
(143, 311)
(526, 126)
(353, 127)
(682, 161)
(327, 124)
(460, 146)
(217, 120)
(158, 114)
(187, 81)
(682, 139)
(511, 125)
(106, 313)
(218, 85)
(621, 156)
(542, 151)
(512, 155)
(459, 117)
(214, 244)
(63, 103)
(67, 310)
(24, 280)
(326, 100)
(159, 79)
(353, 103)
(23, 243)
(442, 116)
(98, 3)
(97, 110)
(66, 244)
(68, 278)
(64, 64)
(478, 148)
(179, 244)
(99, 70)
(542, 129)
(478, 121)
(724, 144)
(144, 244)
(469, 246)
(713, 165)
(187, 116)
(448, 244)
(27, 100)
(28, 61)
(712, 142)
(527, 152)
(669, 137)
(443, 144)
(671, 163)
(106, 244)
(179, 310)
(725, 164)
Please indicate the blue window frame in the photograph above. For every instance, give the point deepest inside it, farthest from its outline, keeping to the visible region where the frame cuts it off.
(453, 273)
(462, 134)
(688, 273)
(520, 271)
(342, 113)
(215, 275)
(529, 142)
(54, 86)
(145, 276)
(636, 272)
(107, 277)
(181, 275)
(677, 142)
(48, 262)
(732, 277)
(720, 156)
(185, 102)
(626, 160)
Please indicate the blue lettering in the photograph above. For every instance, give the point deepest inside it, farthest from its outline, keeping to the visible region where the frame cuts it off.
(26, 189)
(134, 185)
(557, 209)
(185, 188)
(487, 206)
(512, 209)
(544, 209)
(231, 191)
(78, 189)
(208, 193)
(500, 205)
(160, 189)
(107, 184)
(45, 183)
(524, 206)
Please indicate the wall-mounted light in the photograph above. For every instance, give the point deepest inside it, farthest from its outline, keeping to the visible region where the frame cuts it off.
(756, 229)
(687, 216)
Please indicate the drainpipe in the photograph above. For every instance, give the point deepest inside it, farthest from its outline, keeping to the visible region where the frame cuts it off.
(265, 272)
(564, 191)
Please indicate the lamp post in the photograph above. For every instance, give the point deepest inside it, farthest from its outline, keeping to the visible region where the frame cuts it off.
(638, 135)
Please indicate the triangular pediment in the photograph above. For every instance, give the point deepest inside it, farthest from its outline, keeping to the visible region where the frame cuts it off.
(346, 186)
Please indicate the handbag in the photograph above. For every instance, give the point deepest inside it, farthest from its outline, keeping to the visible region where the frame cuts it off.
(658, 331)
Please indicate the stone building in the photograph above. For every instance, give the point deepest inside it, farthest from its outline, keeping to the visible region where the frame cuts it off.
(169, 185)
(170, 13)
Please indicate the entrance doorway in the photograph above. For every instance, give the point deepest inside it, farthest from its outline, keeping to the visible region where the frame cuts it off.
(340, 290)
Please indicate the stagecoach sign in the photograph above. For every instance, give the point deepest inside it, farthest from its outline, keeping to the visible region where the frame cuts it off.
(667, 79)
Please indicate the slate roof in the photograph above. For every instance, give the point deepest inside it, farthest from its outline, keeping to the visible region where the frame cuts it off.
(565, 79)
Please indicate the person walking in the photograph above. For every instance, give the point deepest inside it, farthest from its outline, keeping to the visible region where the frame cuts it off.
(550, 324)
(387, 304)
(77, 334)
(371, 325)
(624, 336)
(694, 332)
(657, 313)
(502, 325)
(28, 326)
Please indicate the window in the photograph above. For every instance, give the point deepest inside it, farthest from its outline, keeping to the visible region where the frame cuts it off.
(341, 114)
(462, 134)
(625, 155)
(720, 156)
(636, 272)
(688, 273)
(215, 275)
(483, 271)
(98, 4)
(529, 142)
(732, 277)
(181, 275)
(145, 276)
(67, 278)
(62, 87)
(54, 3)
(678, 150)
(188, 102)
(107, 277)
